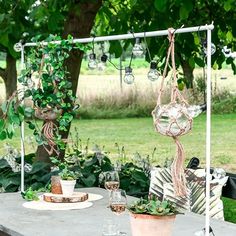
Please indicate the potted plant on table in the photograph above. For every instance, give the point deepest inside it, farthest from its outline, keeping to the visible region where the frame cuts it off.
(67, 176)
(68, 181)
(152, 217)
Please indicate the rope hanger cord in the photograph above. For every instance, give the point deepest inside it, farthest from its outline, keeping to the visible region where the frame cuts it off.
(175, 91)
(176, 124)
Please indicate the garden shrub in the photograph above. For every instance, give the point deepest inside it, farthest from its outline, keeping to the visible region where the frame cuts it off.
(109, 106)
(133, 178)
(37, 176)
(224, 104)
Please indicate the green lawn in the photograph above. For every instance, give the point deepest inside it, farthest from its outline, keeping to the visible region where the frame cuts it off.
(229, 209)
(138, 135)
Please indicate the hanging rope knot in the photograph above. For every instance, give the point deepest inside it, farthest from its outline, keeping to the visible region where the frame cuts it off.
(48, 131)
(177, 170)
(171, 35)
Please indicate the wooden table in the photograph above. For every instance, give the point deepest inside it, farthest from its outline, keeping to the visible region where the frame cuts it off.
(16, 220)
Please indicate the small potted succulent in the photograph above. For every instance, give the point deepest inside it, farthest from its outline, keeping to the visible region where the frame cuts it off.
(67, 176)
(152, 217)
(68, 181)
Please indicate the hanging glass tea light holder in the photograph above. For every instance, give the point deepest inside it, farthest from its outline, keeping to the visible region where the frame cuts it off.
(153, 73)
(129, 77)
(92, 63)
(213, 48)
(103, 60)
(137, 48)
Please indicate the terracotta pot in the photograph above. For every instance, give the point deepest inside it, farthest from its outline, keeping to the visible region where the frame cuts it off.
(56, 185)
(67, 187)
(148, 225)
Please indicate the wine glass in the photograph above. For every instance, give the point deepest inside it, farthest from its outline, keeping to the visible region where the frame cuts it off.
(112, 181)
(118, 202)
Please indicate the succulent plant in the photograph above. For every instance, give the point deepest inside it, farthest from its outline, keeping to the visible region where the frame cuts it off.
(153, 207)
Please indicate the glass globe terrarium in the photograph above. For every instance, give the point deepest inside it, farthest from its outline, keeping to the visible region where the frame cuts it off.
(172, 119)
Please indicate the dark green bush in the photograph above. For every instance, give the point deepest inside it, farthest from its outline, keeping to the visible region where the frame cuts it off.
(224, 104)
(36, 178)
(91, 165)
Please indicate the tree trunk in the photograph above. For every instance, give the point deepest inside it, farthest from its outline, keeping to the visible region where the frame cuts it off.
(79, 25)
(188, 73)
(9, 75)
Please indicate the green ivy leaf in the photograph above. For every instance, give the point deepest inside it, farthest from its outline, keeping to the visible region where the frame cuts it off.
(30, 195)
(15, 119)
(31, 125)
(10, 134)
(3, 135)
(21, 111)
(2, 122)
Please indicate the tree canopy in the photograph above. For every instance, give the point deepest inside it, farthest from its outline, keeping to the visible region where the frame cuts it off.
(117, 17)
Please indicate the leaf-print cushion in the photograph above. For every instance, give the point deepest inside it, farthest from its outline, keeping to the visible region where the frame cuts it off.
(161, 185)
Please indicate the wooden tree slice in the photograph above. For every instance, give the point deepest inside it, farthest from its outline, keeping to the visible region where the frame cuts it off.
(59, 198)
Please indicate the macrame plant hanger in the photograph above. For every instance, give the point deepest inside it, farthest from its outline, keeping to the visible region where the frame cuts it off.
(49, 116)
(173, 119)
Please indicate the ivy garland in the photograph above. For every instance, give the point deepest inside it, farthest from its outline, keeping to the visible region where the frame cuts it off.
(45, 82)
